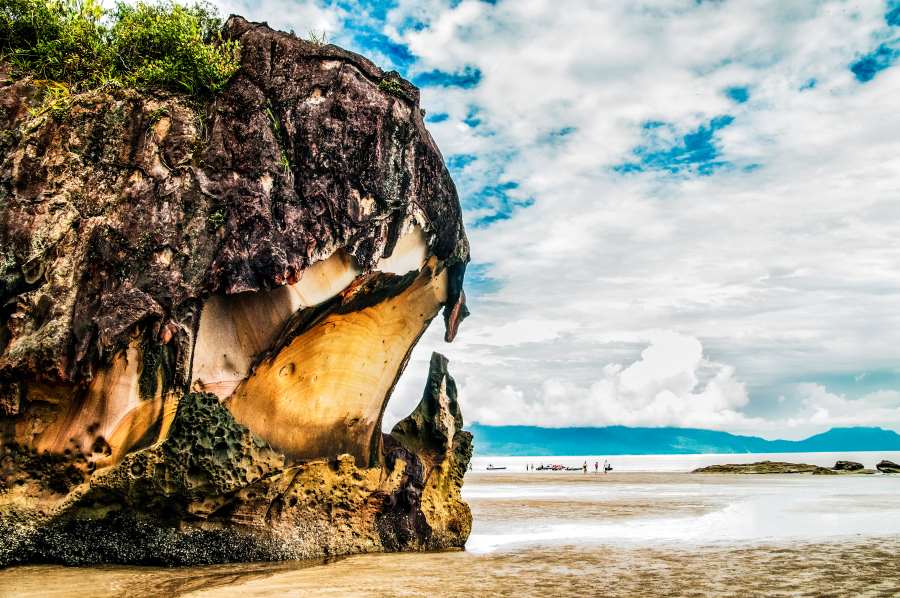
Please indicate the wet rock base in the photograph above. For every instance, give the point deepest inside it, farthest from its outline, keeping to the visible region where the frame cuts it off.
(215, 493)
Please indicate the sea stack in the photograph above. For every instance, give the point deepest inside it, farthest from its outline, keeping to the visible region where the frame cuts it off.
(206, 307)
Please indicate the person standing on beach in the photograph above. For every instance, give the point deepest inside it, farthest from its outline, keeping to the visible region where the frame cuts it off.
(596, 466)
(584, 467)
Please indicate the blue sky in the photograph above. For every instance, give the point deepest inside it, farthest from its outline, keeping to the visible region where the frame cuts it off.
(681, 212)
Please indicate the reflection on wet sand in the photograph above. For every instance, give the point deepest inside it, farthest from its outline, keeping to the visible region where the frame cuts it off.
(53, 581)
(628, 534)
(849, 569)
(854, 568)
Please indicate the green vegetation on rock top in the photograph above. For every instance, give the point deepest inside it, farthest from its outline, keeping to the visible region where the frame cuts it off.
(81, 45)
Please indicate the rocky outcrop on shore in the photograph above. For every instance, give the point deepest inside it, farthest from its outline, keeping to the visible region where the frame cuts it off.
(886, 466)
(206, 309)
(764, 467)
(847, 466)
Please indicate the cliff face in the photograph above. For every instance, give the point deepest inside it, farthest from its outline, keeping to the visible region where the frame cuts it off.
(205, 309)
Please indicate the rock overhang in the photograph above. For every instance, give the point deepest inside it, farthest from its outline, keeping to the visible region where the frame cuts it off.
(271, 184)
(272, 255)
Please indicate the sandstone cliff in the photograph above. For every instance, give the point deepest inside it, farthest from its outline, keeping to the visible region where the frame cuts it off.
(205, 308)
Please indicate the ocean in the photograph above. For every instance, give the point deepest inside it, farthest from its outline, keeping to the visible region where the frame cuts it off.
(684, 463)
(648, 528)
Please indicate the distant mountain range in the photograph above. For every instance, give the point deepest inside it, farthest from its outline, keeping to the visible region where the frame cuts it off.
(621, 440)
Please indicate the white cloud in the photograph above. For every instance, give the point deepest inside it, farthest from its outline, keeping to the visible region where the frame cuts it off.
(302, 17)
(785, 272)
(784, 267)
(662, 387)
(671, 383)
(826, 408)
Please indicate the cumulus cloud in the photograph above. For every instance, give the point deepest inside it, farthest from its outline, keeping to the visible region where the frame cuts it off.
(703, 193)
(760, 222)
(662, 387)
(830, 409)
(287, 15)
(670, 383)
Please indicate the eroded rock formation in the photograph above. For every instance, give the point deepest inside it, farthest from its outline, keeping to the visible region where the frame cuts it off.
(885, 466)
(762, 467)
(775, 467)
(205, 309)
(847, 466)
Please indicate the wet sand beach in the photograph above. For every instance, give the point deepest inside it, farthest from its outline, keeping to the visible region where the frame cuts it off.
(623, 534)
(849, 568)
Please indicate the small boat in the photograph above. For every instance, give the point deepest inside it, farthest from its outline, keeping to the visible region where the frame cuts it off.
(492, 468)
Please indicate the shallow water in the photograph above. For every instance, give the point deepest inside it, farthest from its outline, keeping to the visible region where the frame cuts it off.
(569, 533)
(685, 463)
(677, 509)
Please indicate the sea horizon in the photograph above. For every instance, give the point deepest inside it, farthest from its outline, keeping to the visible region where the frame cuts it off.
(679, 462)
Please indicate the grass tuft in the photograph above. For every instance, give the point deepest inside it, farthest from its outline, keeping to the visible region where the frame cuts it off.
(317, 38)
(390, 84)
(79, 45)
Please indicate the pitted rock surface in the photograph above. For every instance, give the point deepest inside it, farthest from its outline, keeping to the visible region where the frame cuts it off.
(191, 296)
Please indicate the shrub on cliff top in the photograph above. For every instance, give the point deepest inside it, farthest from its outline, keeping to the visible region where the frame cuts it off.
(79, 43)
(173, 46)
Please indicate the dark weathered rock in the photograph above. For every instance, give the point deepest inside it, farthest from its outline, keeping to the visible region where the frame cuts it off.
(130, 208)
(763, 467)
(205, 309)
(885, 466)
(847, 466)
